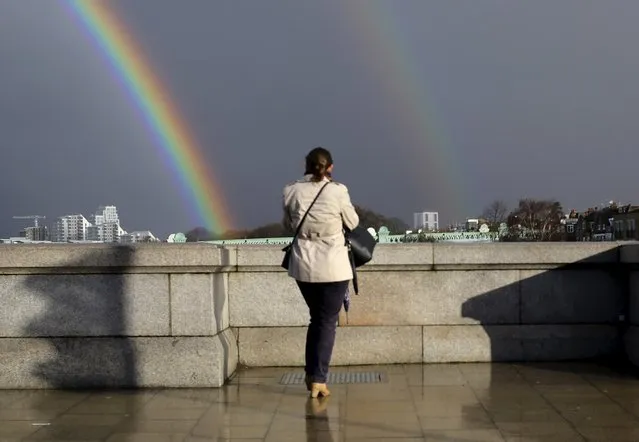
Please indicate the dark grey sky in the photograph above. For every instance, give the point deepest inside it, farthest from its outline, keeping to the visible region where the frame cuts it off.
(426, 105)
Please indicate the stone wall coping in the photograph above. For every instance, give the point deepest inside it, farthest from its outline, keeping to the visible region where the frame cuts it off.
(535, 253)
(207, 258)
(441, 256)
(107, 258)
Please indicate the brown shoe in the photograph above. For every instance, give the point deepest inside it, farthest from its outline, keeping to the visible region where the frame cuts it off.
(319, 390)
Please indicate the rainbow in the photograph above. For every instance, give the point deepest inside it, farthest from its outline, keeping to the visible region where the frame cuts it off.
(374, 27)
(162, 117)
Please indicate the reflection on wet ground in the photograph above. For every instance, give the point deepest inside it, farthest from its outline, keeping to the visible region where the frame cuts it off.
(461, 402)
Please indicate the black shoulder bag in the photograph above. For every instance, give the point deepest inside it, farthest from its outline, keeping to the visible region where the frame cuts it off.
(361, 245)
(287, 249)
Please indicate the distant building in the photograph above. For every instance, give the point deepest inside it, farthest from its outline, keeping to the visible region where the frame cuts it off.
(598, 224)
(612, 223)
(574, 228)
(105, 215)
(472, 225)
(625, 223)
(426, 221)
(137, 237)
(40, 233)
(71, 228)
(105, 225)
(107, 232)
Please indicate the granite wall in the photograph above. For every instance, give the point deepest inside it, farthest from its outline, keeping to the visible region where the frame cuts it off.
(445, 303)
(185, 315)
(80, 316)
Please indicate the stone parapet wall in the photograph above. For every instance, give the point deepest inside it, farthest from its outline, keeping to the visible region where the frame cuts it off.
(79, 316)
(185, 315)
(444, 303)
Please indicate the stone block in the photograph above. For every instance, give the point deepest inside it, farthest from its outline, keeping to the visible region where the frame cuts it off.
(586, 296)
(498, 343)
(189, 362)
(521, 254)
(472, 343)
(629, 253)
(193, 255)
(271, 346)
(378, 345)
(284, 346)
(84, 305)
(269, 258)
(260, 258)
(70, 258)
(435, 298)
(410, 255)
(199, 304)
(266, 299)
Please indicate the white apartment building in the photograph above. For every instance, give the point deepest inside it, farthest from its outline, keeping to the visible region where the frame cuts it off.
(106, 232)
(71, 228)
(106, 225)
(105, 215)
(426, 221)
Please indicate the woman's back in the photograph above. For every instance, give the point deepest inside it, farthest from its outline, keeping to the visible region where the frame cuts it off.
(331, 211)
(319, 253)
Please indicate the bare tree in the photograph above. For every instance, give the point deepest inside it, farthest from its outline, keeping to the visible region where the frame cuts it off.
(496, 213)
(537, 220)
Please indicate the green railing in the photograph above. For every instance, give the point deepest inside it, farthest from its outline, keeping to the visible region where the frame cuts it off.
(382, 238)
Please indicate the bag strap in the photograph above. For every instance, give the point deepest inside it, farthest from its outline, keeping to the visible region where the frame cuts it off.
(351, 258)
(299, 226)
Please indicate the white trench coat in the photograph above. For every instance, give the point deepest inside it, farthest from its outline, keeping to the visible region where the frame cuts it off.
(319, 254)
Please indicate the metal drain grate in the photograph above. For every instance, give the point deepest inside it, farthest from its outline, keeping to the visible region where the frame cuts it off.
(365, 377)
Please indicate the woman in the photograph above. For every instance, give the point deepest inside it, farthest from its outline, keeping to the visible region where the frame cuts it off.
(319, 257)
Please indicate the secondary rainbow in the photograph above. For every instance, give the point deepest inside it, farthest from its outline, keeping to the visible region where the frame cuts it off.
(375, 27)
(172, 133)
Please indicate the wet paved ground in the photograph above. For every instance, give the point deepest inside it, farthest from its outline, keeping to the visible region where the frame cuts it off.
(468, 402)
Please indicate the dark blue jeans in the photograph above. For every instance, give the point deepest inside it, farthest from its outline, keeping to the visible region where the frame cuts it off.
(324, 300)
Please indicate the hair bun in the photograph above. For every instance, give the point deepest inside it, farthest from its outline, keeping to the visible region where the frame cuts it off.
(317, 163)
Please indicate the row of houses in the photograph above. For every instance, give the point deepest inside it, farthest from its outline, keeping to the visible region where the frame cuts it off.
(613, 223)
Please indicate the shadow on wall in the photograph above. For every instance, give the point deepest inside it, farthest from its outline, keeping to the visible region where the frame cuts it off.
(90, 308)
(569, 313)
(581, 311)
